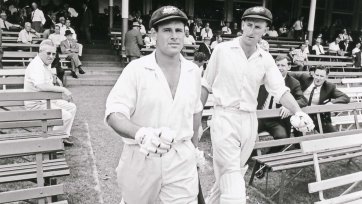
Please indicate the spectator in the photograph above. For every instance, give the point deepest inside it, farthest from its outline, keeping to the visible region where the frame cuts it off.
(197, 28)
(226, 29)
(356, 49)
(272, 32)
(86, 23)
(299, 57)
(68, 27)
(133, 41)
(71, 48)
(150, 39)
(4, 24)
(39, 77)
(318, 48)
(264, 45)
(206, 32)
(358, 59)
(298, 28)
(216, 42)
(205, 47)
(345, 46)
(235, 29)
(283, 31)
(334, 48)
(319, 91)
(57, 37)
(26, 35)
(200, 60)
(37, 18)
(49, 25)
(345, 35)
(189, 39)
(308, 48)
(61, 23)
(142, 27)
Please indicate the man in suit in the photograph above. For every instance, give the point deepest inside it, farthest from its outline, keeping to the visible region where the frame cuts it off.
(71, 48)
(205, 48)
(86, 23)
(346, 46)
(319, 91)
(358, 59)
(133, 41)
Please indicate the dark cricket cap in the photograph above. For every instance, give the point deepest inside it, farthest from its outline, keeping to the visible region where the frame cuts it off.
(259, 13)
(167, 13)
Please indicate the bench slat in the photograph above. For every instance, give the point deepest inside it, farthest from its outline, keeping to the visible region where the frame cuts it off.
(32, 193)
(30, 123)
(29, 146)
(343, 199)
(27, 96)
(30, 115)
(12, 80)
(48, 168)
(34, 176)
(334, 182)
(27, 165)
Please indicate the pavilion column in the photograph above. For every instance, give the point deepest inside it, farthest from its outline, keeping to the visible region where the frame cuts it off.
(110, 14)
(190, 7)
(311, 20)
(147, 6)
(356, 11)
(125, 11)
(265, 3)
(228, 10)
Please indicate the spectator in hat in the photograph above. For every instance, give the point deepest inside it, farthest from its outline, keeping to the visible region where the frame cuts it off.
(6, 25)
(189, 39)
(26, 35)
(133, 41)
(71, 48)
(67, 26)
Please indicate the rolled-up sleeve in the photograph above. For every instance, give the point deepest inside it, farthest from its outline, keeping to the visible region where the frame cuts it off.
(198, 104)
(211, 71)
(273, 80)
(123, 96)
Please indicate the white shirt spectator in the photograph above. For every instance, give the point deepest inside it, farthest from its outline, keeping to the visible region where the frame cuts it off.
(223, 76)
(61, 26)
(355, 50)
(149, 41)
(189, 40)
(333, 46)
(272, 33)
(37, 73)
(319, 50)
(226, 30)
(205, 34)
(5, 24)
(38, 15)
(73, 12)
(56, 38)
(298, 25)
(26, 36)
(64, 28)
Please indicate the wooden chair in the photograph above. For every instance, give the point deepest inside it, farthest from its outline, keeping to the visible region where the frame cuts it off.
(39, 171)
(318, 149)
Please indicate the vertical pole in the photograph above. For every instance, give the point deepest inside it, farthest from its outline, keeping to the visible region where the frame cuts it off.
(311, 19)
(229, 8)
(110, 14)
(125, 7)
(265, 3)
(190, 7)
(147, 6)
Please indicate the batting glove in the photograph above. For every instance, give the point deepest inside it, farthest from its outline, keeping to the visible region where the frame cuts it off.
(150, 143)
(302, 122)
(166, 135)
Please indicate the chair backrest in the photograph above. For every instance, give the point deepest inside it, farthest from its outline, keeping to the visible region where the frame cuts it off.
(18, 98)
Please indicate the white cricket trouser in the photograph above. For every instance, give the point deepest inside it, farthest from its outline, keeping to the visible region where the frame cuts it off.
(68, 112)
(171, 178)
(233, 134)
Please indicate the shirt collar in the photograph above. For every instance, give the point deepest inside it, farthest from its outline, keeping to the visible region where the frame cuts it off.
(38, 60)
(152, 64)
(236, 45)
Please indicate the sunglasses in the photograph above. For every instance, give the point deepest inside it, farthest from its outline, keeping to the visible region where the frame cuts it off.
(51, 53)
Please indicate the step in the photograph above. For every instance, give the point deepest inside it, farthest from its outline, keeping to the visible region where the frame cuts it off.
(90, 72)
(98, 51)
(92, 80)
(100, 57)
(101, 64)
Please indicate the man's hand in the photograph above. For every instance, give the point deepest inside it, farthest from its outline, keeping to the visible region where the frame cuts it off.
(150, 142)
(284, 112)
(67, 95)
(302, 122)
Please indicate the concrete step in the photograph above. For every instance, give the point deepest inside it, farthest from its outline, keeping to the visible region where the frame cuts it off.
(92, 80)
(101, 57)
(101, 64)
(98, 51)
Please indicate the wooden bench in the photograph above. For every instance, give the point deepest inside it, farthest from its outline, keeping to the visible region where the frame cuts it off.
(352, 81)
(317, 148)
(295, 159)
(328, 64)
(40, 170)
(31, 47)
(13, 57)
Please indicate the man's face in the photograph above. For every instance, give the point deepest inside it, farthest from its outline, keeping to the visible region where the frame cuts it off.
(338, 40)
(47, 55)
(27, 27)
(62, 20)
(283, 66)
(34, 5)
(187, 33)
(57, 30)
(253, 30)
(69, 37)
(67, 23)
(170, 37)
(227, 24)
(320, 76)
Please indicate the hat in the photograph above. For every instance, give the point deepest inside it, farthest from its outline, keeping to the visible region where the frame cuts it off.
(68, 32)
(259, 13)
(167, 13)
(135, 24)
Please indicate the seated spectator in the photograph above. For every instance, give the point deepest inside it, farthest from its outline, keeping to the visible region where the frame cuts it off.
(206, 32)
(39, 77)
(71, 48)
(319, 91)
(6, 25)
(318, 48)
(226, 29)
(56, 37)
(356, 49)
(345, 46)
(299, 57)
(26, 35)
(272, 32)
(205, 48)
(345, 35)
(68, 27)
(49, 24)
(264, 45)
(283, 31)
(235, 29)
(61, 23)
(358, 59)
(334, 48)
(150, 39)
(197, 29)
(200, 60)
(189, 39)
(308, 48)
(217, 41)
